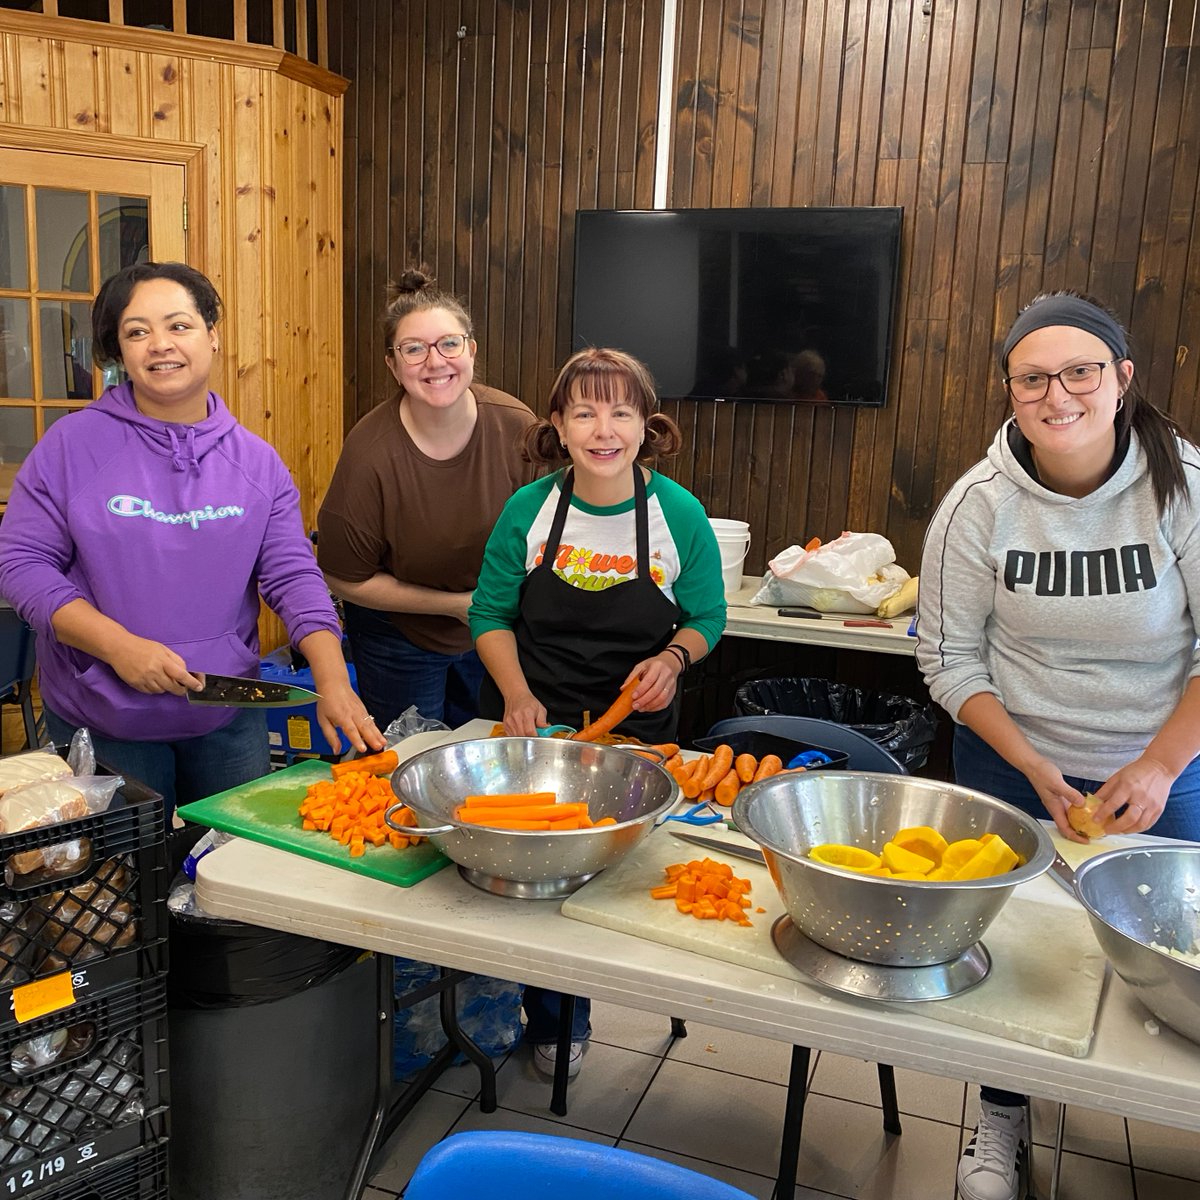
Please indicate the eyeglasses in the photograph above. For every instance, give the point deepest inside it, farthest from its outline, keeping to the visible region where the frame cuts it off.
(1079, 380)
(414, 352)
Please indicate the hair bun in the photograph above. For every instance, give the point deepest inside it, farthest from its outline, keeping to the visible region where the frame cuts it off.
(411, 281)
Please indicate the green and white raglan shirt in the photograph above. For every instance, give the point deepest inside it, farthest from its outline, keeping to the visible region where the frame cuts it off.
(599, 550)
(1079, 615)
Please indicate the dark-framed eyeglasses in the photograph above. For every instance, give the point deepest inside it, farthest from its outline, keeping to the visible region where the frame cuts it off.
(414, 351)
(1079, 380)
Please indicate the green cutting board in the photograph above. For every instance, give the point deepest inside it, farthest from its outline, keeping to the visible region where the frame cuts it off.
(265, 810)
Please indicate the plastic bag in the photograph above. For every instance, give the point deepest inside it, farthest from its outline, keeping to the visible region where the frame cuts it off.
(902, 726)
(409, 722)
(855, 573)
(35, 766)
(82, 754)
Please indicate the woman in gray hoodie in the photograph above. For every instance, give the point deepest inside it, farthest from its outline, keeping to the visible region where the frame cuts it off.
(1060, 586)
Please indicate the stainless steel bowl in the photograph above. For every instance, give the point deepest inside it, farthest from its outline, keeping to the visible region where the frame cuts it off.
(1152, 894)
(894, 922)
(527, 863)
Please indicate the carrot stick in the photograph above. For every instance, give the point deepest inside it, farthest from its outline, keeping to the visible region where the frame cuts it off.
(509, 800)
(509, 823)
(383, 763)
(525, 812)
(620, 708)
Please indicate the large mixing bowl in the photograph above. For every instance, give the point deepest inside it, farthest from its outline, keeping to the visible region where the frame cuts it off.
(893, 922)
(528, 863)
(1151, 894)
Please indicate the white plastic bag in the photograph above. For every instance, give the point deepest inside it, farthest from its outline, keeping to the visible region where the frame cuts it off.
(854, 573)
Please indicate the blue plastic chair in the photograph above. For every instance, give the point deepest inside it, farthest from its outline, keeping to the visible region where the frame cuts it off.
(865, 755)
(506, 1165)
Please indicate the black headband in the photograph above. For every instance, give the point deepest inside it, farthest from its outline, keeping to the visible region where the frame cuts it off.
(1066, 310)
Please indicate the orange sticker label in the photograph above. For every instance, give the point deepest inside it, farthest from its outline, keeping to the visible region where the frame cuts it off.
(32, 1000)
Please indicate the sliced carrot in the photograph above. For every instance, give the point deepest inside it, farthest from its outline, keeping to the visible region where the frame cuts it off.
(383, 763)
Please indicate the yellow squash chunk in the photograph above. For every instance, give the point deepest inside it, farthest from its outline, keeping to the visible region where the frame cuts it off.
(958, 854)
(923, 840)
(849, 858)
(996, 858)
(904, 862)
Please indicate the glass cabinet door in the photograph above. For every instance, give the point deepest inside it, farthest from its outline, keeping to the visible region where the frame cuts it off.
(63, 231)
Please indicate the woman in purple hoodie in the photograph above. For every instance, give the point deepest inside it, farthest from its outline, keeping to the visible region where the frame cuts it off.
(139, 535)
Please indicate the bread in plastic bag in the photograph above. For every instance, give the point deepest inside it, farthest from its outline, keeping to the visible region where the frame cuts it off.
(51, 802)
(32, 767)
(855, 573)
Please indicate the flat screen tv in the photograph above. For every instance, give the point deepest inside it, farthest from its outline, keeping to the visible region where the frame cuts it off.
(755, 304)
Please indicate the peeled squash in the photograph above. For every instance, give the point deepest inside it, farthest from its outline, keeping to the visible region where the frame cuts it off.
(900, 601)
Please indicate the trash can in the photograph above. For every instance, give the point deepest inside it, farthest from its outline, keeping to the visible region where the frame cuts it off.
(273, 1056)
(902, 726)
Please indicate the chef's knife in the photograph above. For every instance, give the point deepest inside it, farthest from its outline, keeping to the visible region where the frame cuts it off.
(753, 853)
(232, 691)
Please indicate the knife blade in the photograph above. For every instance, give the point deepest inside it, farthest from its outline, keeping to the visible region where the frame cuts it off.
(1061, 873)
(753, 853)
(234, 691)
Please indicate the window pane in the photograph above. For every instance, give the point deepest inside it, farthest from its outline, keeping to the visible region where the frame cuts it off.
(62, 241)
(14, 258)
(124, 232)
(16, 441)
(66, 329)
(50, 415)
(16, 376)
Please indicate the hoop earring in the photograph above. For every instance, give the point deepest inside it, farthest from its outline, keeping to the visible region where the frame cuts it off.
(1120, 402)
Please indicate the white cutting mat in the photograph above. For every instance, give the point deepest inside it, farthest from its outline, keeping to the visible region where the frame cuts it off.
(1047, 968)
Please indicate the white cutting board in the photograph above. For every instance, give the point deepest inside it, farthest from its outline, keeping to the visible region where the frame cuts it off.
(1047, 968)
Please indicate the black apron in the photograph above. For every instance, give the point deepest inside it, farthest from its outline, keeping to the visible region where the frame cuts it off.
(577, 646)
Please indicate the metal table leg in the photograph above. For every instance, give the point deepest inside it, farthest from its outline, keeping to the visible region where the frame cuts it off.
(887, 1097)
(1059, 1134)
(678, 1028)
(793, 1121)
(562, 1058)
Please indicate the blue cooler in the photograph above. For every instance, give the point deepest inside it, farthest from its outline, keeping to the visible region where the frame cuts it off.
(294, 732)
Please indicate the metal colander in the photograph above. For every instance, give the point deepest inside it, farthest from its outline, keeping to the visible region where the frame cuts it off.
(893, 922)
(526, 863)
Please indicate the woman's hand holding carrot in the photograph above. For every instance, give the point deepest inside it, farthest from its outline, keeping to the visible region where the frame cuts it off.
(659, 676)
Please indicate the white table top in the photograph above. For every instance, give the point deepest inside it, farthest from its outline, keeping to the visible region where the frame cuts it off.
(764, 622)
(447, 921)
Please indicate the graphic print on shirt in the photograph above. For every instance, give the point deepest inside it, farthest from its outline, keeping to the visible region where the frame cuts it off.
(137, 506)
(595, 570)
(1109, 571)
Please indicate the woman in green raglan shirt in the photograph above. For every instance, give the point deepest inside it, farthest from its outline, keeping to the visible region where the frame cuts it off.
(599, 573)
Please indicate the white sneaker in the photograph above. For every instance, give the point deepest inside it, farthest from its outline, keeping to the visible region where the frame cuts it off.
(990, 1165)
(545, 1055)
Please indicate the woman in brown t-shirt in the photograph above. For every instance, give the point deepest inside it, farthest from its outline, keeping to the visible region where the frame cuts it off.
(416, 491)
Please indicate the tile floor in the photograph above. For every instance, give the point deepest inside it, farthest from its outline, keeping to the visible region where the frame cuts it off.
(645, 1091)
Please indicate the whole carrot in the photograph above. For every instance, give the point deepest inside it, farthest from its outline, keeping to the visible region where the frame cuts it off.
(727, 789)
(745, 765)
(617, 712)
(771, 764)
(722, 762)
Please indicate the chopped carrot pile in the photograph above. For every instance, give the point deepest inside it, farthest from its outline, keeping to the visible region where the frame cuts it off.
(350, 809)
(707, 889)
(538, 811)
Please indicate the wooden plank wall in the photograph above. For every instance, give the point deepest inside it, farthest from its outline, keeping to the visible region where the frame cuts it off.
(269, 235)
(1051, 143)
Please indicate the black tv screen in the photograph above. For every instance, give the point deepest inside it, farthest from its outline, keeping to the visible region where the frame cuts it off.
(770, 304)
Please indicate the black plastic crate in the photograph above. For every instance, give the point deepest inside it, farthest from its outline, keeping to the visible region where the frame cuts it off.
(141, 1175)
(750, 741)
(106, 920)
(104, 1096)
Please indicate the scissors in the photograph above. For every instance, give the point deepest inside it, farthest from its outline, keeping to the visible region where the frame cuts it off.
(699, 814)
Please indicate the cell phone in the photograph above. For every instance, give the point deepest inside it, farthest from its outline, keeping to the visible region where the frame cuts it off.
(806, 614)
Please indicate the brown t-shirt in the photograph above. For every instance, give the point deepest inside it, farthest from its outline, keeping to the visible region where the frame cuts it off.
(392, 508)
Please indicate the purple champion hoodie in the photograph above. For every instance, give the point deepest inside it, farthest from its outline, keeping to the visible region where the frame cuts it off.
(171, 530)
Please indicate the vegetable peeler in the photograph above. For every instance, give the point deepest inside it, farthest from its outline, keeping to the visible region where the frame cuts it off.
(699, 814)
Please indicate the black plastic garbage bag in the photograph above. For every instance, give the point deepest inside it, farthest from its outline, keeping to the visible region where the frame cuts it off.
(902, 726)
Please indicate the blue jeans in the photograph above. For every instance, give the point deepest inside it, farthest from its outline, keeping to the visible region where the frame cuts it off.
(189, 769)
(978, 766)
(394, 673)
(541, 1016)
